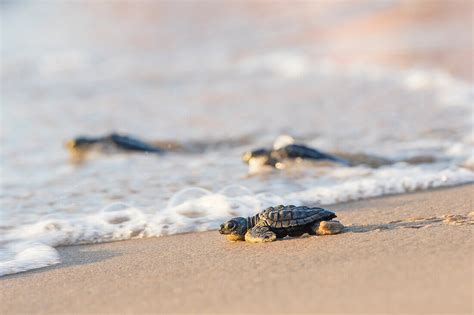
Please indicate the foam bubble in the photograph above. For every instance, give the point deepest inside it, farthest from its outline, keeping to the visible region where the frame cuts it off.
(187, 194)
(235, 190)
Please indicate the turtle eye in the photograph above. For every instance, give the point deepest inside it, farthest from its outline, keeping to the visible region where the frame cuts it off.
(230, 225)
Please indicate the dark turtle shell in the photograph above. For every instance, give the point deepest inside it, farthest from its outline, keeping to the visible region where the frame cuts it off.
(292, 216)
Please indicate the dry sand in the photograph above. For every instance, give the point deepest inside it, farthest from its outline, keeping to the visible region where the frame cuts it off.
(421, 262)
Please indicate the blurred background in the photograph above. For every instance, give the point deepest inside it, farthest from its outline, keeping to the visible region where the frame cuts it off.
(382, 77)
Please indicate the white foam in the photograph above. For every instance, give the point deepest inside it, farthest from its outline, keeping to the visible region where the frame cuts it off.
(384, 181)
(26, 256)
(285, 64)
(282, 141)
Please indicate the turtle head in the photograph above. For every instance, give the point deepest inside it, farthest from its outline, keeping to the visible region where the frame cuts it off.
(80, 143)
(78, 147)
(234, 229)
(248, 156)
(259, 160)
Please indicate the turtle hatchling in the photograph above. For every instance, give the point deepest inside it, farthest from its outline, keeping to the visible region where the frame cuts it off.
(80, 146)
(284, 151)
(281, 221)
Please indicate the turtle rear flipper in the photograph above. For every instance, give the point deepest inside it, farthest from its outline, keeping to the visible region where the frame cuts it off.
(327, 227)
(260, 234)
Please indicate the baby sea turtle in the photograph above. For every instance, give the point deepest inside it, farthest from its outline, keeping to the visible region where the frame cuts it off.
(112, 143)
(281, 221)
(284, 150)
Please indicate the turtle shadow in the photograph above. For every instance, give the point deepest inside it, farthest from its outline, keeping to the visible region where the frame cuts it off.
(413, 223)
(70, 256)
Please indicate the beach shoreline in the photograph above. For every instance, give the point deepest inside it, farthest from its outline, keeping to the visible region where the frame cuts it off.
(408, 253)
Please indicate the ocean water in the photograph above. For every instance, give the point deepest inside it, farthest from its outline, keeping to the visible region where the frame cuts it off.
(229, 86)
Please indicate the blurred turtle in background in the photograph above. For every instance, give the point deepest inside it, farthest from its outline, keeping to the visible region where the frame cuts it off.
(284, 151)
(81, 146)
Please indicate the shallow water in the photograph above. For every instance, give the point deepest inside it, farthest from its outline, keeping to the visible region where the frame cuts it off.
(86, 70)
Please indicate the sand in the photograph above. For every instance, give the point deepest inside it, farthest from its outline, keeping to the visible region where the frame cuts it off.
(401, 254)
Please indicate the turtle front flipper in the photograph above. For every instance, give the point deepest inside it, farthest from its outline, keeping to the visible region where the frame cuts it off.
(327, 227)
(260, 234)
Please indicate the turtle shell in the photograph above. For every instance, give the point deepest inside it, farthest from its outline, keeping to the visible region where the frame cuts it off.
(292, 216)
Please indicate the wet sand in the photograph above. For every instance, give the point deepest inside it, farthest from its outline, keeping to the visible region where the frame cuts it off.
(402, 254)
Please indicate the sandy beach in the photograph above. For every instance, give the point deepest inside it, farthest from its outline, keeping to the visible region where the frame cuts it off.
(401, 254)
